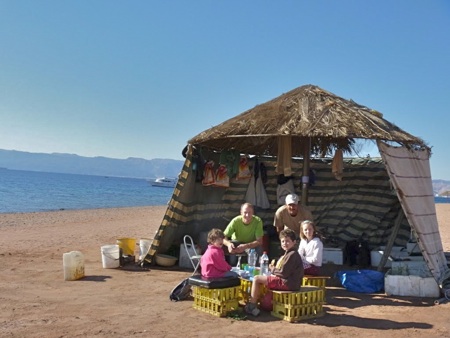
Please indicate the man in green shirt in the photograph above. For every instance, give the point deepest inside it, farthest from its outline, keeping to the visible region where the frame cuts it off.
(243, 233)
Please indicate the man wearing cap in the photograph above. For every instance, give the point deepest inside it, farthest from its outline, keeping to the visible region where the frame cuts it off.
(291, 215)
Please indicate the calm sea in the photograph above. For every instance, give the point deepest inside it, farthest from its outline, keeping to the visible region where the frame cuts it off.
(30, 191)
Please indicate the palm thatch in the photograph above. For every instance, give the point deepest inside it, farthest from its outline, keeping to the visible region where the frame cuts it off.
(312, 117)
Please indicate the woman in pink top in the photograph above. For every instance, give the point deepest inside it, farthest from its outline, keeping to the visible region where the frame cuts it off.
(213, 263)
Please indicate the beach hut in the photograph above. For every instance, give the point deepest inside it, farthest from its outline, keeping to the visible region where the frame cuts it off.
(305, 134)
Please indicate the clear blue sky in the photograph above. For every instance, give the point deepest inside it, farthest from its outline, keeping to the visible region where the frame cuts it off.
(140, 78)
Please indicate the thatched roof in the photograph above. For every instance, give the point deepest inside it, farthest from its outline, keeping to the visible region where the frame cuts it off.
(307, 114)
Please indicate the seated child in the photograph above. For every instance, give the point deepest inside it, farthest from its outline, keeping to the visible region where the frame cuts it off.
(213, 263)
(286, 274)
(310, 248)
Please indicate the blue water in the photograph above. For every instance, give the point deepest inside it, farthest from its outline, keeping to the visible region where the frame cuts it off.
(441, 200)
(30, 191)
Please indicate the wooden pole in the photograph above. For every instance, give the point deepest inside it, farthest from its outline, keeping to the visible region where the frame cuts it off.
(305, 177)
(390, 244)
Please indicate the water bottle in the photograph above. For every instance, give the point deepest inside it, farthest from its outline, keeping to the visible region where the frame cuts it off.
(238, 265)
(264, 263)
(252, 256)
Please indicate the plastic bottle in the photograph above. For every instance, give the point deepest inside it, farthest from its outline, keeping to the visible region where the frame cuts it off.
(252, 257)
(264, 263)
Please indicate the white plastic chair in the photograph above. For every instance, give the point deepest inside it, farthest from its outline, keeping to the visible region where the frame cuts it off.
(194, 257)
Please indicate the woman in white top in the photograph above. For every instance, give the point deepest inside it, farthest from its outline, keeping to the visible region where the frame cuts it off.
(310, 248)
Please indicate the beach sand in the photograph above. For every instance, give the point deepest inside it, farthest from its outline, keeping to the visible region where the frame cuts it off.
(35, 301)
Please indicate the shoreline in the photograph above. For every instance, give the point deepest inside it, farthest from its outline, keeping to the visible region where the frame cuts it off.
(123, 207)
(132, 214)
(84, 209)
(80, 209)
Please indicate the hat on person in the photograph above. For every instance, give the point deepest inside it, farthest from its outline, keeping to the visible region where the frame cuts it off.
(292, 199)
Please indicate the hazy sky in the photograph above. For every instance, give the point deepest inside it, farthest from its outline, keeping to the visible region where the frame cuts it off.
(140, 78)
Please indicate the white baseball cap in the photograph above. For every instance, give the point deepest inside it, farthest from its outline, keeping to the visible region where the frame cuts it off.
(292, 199)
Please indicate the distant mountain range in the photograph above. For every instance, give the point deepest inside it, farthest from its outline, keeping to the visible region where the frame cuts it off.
(441, 188)
(104, 166)
(101, 166)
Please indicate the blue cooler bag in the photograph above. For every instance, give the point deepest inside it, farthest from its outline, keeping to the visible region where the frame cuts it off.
(364, 281)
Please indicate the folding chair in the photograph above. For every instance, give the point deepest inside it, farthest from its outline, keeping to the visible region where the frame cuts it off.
(194, 257)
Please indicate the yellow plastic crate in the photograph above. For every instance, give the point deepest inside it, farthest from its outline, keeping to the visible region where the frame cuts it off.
(295, 306)
(319, 281)
(246, 288)
(217, 302)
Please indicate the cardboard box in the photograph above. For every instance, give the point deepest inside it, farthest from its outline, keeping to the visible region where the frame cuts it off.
(332, 256)
(410, 285)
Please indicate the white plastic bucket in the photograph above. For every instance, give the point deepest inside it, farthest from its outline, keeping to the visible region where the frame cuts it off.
(73, 263)
(110, 256)
(144, 246)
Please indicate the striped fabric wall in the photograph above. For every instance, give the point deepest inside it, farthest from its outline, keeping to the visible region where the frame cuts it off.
(362, 205)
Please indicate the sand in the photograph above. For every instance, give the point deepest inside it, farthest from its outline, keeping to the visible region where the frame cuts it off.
(35, 301)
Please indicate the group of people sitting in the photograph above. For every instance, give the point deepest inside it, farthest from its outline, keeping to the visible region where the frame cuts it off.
(303, 248)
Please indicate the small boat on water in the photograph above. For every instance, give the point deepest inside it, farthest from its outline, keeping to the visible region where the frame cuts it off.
(164, 182)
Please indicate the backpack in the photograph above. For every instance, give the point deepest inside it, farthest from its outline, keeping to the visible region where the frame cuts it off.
(181, 291)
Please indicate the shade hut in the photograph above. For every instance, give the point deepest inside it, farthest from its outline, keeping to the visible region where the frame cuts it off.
(311, 121)
(314, 119)
(383, 198)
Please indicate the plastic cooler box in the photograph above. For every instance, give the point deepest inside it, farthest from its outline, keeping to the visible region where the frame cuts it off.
(332, 256)
(416, 284)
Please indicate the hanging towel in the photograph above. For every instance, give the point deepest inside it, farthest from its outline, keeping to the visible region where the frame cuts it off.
(284, 156)
(256, 193)
(284, 189)
(222, 178)
(250, 195)
(262, 200)
(244, 170)
(231, 160)
(337, 165)
(208, 174)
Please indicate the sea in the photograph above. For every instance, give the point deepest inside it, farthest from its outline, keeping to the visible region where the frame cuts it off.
(33, 191)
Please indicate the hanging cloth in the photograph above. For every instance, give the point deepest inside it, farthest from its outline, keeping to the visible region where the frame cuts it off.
(337, 165)
(284, 156)
(256, 193)
(285, 187)
(208, 174)
(230, 158)
(262, 200)
(222, 178)
(244, 170)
